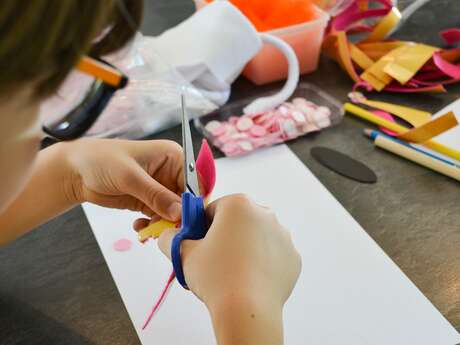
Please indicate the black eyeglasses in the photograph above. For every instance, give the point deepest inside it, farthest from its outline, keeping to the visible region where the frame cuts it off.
(81, 99)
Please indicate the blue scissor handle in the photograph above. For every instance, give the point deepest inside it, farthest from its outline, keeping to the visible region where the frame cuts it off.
(193, 228)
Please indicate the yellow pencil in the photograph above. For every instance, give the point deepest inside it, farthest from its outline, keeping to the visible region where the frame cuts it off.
(368, 116)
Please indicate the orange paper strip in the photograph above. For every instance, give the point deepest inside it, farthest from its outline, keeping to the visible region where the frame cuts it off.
(430, 129)
(345, 56)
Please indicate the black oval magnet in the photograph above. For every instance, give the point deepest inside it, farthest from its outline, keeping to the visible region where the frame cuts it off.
(343, 164)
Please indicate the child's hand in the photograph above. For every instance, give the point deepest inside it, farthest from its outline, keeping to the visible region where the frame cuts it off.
(243, 270)
(144, 176)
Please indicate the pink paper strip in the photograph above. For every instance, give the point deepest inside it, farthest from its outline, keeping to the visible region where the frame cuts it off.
(396, 88)
(387, 116)
(160, 299)
(206, 168)
(449, 69)
(343, 21)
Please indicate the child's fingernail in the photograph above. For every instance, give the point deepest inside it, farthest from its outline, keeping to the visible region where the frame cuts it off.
(174, 211)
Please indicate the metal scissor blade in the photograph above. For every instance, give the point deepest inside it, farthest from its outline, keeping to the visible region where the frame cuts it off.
(190, 175)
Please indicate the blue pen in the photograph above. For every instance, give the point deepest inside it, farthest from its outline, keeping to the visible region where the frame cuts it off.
(373, 135)
(193, 214)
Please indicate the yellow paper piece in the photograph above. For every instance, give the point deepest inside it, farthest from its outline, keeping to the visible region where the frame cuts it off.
(375, 82)
(154, 230)
(361, 59)
(368, 116)
(384, 26)
(376, 50)
(413, 116)
(375, 74)
(430, 129)
(344, 55)
(406, 65)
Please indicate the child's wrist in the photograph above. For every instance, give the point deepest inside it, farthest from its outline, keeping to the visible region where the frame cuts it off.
(71, 180)
(243, 319)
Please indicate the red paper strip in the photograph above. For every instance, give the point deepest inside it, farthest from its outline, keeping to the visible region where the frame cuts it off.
(451, 36)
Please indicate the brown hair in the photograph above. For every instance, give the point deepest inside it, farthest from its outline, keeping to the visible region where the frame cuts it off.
(42, 40)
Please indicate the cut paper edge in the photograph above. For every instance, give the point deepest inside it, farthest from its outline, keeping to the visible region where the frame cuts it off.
(430, 129)
(155, 230)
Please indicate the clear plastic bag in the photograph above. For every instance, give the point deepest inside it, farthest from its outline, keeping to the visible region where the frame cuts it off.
(151, 101)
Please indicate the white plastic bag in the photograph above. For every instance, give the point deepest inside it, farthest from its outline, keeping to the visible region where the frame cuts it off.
(151, 101)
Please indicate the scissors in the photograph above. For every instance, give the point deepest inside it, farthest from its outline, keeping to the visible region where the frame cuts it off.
(193, 214)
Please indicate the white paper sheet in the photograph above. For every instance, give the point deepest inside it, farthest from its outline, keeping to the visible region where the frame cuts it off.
(349, 293)
(451, 137)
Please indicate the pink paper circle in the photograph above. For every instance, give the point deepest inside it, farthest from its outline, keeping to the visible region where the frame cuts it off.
(122, 245)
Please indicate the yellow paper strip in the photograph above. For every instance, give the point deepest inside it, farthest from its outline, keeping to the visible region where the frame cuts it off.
(413, 116)
(431, 129)
(361, 59)
(384, 26)
(405, 66)
(368, 116)
(344, 55)
(376, 50)
(376, 71)
(154, 230)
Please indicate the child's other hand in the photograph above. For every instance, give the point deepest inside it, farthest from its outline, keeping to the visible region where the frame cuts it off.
(145, 176)
(246, 265)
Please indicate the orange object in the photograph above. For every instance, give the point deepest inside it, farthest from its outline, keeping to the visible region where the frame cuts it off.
(305, 39)
(268, 15)
(99, 70)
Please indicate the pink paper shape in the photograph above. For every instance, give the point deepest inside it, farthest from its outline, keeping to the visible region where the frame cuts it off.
(122, 245)
(206, 168)
(387, 116)
(451, 36)
(446, 67)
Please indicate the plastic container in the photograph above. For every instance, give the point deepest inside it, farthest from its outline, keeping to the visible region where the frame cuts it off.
(305, 90)
(270, 65)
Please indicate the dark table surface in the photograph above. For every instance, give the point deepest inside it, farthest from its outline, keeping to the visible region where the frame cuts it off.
(55, 287)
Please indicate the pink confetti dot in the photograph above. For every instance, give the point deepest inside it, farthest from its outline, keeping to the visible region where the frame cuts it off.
(122, 245)
(258, 131)
(244, 124)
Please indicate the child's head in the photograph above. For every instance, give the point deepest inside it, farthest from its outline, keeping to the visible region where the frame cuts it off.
(40, 43)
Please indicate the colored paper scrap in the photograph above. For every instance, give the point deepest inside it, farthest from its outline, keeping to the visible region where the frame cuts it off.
(382, 64)
(385, 26)
(430, 129)
(408, 63)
